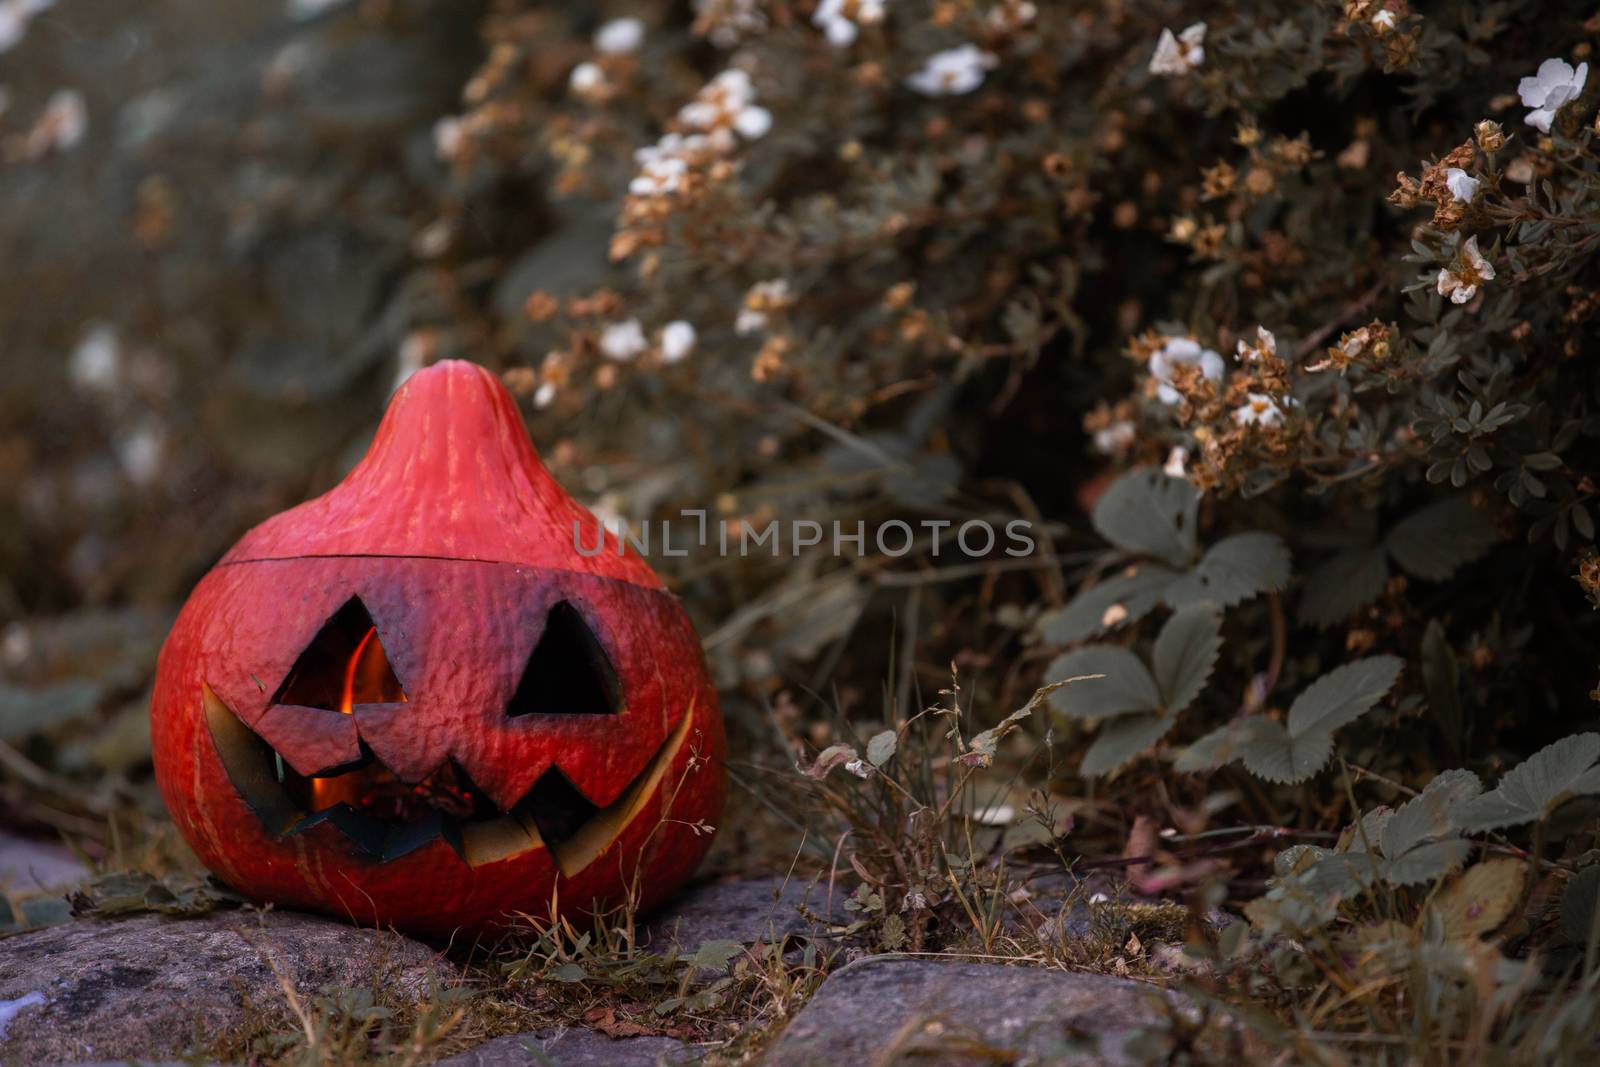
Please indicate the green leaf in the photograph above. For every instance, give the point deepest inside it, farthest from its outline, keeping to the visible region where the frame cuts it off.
(1342, 585)
(714, 956)
(1343, 695)
(1536, 786)
(1120, 740)
(1436, 541)
(1441, 680)
(1279, 757)
(1233, 570)
(1225, 744)
(1125, 687)
(880, 749)
(1151, 514)
(1426, 862)
(1428, 814)
(569, 972)
(1579, 904)
(1135, 591)
(1185, 653)
(1294, 752)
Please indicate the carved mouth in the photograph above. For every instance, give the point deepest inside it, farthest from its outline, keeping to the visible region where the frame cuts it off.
(385, 817)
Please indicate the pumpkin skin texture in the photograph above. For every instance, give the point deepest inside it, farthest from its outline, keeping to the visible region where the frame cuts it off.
(522, 727)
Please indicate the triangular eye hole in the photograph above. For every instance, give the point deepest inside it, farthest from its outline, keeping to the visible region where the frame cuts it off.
(568, 673)
(344, 665)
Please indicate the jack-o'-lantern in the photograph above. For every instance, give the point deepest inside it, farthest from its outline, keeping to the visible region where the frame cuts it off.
(423, 700)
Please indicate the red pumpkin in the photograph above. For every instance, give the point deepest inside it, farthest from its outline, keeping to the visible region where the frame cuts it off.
(414, 702)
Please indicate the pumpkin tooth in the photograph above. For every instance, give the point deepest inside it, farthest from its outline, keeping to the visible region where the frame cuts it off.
(312, 740)
(591, 840)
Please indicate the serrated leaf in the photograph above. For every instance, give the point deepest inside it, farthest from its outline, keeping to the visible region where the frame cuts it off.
(1426, 862)
(1343, 695)
(1224, 744)
(1579, 904)
(1281, 758)
(1293, 753)
(1534, 787)
(1481, 899)
(880, 748)
(1149, 513)
(1233, 570)
(1342, 585)
(1185, 653)
(1427, 815)
(1126, 685)
(1120, 740)
(1113, 603)
(1436, 541)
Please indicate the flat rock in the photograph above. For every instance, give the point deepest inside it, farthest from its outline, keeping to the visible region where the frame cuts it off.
(745, 910)
(883, 1008)
(575, 1048)
(145, 987)
(29, 866)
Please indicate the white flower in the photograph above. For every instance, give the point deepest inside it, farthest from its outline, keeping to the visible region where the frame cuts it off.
(586, 78)
(1266, 345)
(1383, 21)
(1177, 465)
(1181, 53)
(658, 177)
(728, 102)
(60, 127)
(1555, 84)
(1109, 440)
(449, 134)
(140, 452)
(14, 17)
(619, 36)
(622, 341)
(1462, 185)
(677, 340)
(753, 122)
(859, 768)
(762, 298)
(1472, 270)
(1182, 351)
(1012, 14)
(841, 20)
(953, 72)
(97, 361)
(1259, 409)
(544, 395)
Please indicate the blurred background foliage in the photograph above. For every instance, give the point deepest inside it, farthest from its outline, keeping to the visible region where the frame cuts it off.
(953, 260)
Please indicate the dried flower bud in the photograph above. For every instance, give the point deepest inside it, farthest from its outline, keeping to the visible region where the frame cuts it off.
(1491, 138)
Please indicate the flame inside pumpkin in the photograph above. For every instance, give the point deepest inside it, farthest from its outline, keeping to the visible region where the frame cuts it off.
(368, 679)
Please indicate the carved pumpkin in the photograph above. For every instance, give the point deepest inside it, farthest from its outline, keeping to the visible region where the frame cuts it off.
(413, 701)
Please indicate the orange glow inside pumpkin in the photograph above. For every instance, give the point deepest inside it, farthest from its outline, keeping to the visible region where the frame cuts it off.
(368, 679)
